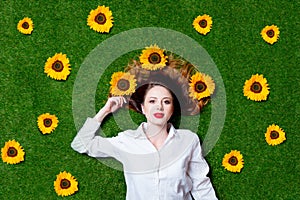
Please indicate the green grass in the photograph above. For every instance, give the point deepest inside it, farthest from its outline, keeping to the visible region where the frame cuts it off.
(235, 46)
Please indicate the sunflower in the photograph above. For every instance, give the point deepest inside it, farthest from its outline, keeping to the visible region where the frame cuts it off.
(202, 24)
(153, 58)
(274, 135)
(256, 88)
(57, 67)
(100, 19)
(47, 123)
(65, 184)
(201, 85)
(122, 83)
(25, 26)
(233, 161)
(270, 34)
(12, 152)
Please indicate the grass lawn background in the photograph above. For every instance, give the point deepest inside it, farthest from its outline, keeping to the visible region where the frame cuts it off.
(236, 47)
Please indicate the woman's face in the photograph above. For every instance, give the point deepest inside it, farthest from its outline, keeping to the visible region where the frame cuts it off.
(158, 105)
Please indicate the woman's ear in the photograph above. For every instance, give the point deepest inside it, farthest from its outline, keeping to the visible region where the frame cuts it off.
(142, 106)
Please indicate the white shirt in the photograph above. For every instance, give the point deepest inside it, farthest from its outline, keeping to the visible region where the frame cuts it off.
(175, 171)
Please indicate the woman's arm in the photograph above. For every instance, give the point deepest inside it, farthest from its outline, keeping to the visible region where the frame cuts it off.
(86, 140)
(197, 171)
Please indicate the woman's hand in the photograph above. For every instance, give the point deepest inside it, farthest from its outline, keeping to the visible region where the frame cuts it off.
(112, 105)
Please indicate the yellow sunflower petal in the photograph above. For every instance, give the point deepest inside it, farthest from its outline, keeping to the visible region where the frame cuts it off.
(256, 88)
(100, 19)
(47, 123)
(201, 86)
(65, 184)
(233, 161)
(57, 67)
(203, 24)
(25, 26)
(12, 152)
(270, 34)
(153, 58)
(274, 135)
(122, 83)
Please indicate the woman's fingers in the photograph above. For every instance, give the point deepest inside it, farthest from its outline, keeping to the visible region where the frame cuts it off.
(124, 100)
(117, 102)
(112, 104)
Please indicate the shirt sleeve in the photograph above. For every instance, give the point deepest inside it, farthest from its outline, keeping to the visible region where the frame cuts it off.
(198, 169)
(86, 141)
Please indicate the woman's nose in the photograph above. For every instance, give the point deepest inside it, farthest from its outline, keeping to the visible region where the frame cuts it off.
(160, 106)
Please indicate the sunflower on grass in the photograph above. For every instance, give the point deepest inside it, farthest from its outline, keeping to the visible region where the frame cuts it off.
(47, 123)
(25, 26)
(122, 83)
(100, 19)
(275, 135)
(201, 86)
(153, 58)
(233, 161)
(12, 152)
(203, 24)
(65, 184)
(57, 67)
(270, 34)
(256, 88)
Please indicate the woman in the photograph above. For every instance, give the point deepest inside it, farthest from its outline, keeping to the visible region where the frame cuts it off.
(159, 161)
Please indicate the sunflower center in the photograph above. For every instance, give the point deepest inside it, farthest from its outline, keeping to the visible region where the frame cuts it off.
(25, 25)
(65, 184)
(200, 87)
(270, 33)
(203, 23)
(47, 122)
(274, 135)
(57, 66)
(256, 87)
(12, 152)
(123, 84)
(154, 58)
(100, 18)
(233, 160)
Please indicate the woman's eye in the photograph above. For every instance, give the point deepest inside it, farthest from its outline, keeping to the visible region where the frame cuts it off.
(167, 102)
(151, 101)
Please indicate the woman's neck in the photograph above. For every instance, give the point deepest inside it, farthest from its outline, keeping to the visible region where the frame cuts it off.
(156, 134)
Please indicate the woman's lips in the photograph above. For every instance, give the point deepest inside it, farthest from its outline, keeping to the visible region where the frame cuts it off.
(158, 115)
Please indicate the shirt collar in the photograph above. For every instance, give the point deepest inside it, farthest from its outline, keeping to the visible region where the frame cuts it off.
(140, 133)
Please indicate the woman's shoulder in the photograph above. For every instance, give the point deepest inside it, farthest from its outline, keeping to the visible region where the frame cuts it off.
(188, 134)
(186, 137)
(132, 133)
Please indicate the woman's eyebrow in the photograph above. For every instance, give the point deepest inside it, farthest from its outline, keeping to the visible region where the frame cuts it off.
(166, 97)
